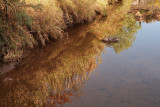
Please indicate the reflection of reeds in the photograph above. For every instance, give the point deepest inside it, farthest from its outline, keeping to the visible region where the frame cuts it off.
(70, 86)
(53, 77)
(71, 74)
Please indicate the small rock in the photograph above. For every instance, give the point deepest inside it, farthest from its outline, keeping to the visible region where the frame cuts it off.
(105, 40)
(111, 40)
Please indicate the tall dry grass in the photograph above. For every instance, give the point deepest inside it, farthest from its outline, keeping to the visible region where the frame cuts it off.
(29, 22)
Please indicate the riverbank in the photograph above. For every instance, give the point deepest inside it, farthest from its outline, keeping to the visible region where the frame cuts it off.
(28, 24)
(100, 28)
(28, 28)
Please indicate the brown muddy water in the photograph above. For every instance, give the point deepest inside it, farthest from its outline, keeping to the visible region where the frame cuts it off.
(81, 71)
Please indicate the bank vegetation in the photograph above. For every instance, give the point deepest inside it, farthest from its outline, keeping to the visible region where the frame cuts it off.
(27, 23)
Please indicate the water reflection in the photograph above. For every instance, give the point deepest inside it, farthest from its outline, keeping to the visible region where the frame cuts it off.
(127, 34)
(59, 71)
(54, 75)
